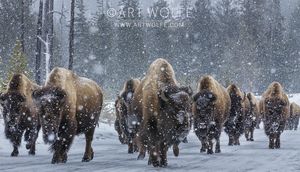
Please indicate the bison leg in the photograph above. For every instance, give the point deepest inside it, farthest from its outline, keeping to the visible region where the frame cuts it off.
(153, 157)
(163, 155)
(176, 150)
(32, 137)
(218, 147)
(142, 153)
(271, 142)
(16, 144)
(236, 140)
(277, 141)
(89, 153)
(231, 140)
(203, 144)
(210, 147)
(247, 134)
(130, 147)
(251, 134)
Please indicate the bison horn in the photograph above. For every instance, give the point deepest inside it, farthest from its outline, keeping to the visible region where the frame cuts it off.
(163, 95)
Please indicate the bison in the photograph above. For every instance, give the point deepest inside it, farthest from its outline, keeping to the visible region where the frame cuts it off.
(251, 117)
(293, 120)
(20, 113)
(122, 123)
(160, 113)
(211, 109)
(275, 109)
(69, 105)
(234, 126)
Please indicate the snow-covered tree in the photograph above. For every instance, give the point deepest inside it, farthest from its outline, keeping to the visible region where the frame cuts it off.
(82, 43)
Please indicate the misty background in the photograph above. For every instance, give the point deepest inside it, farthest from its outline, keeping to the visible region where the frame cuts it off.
(248, 42)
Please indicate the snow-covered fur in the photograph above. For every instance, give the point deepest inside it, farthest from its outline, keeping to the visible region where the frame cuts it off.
(251, 117)
(70, 105)
(165, 110)
(20, 113)
(293, 120)
(210, 110)
(124, 124)
(275, 109)
(234, 126)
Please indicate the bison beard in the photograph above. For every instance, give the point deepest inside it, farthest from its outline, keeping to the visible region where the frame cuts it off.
(210, 110)
(165, 108)
(234, 126)
(70, 105)
(19, 113)
(276, 110)
(125, 124)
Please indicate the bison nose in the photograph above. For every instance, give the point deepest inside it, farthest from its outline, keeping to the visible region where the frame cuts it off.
(132, 123)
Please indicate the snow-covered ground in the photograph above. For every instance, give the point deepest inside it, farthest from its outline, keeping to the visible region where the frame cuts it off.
(110, 155)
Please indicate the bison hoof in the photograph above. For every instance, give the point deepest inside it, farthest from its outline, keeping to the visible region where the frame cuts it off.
(155, 163)
(14, 154)
(251, 140)
(218, 151)
(28, 146)
(59, 159)
(202, 150)
(209, 151)
(164, 164)
(176, 151)
(31, 152)
(141, 156)
(87, 158)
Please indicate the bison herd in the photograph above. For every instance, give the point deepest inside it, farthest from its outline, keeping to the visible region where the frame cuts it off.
(152, 114)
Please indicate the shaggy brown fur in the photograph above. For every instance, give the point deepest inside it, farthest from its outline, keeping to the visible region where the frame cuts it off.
(20, 113)
(293, 120)
(251, 117)
(162, 108)
(275, 109)
(234, 126)
(211, 109)
(122, 123)
(70, 105)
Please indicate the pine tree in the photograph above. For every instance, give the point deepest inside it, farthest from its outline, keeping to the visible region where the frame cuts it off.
(17, 62)
(275, 43)
(204, 37)
(160, 44)
(17, 22)
(82, 44)
(131, 55)
(102, 46)
(293, 50)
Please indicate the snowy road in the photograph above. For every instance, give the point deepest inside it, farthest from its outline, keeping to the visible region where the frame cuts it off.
(111, 156)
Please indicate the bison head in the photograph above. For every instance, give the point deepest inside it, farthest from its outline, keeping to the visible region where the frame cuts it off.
(176, 103)
(49, 102)
(204, 101)
(274, 109)
(14, 107)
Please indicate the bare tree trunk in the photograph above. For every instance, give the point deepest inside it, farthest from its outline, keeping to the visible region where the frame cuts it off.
(38, 53)
(71, 36)
(51, 35)
(22, 26)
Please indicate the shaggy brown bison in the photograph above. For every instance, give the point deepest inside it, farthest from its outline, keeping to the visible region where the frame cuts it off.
(211, 109)
(293, 120)
(122, 123)
(161, 109)
(20, 113)
(234, 126)
(69, 105)
(276, 108)
(251, 117)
